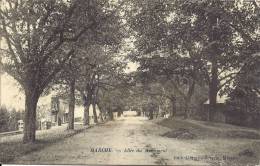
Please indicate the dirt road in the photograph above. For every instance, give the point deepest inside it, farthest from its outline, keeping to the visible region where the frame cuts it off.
(128, 140)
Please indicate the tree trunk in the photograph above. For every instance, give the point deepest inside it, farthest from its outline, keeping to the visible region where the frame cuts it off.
(187, 99)
(173, 111)
(186, 109)
(71, 105)
(150, 108)
(214, 36)
(31, 100)
(101, 117)
(86, 110)
(86, 115)
(111, 115)
(95, 98)
(95, 112)
(213, 90)
(213, 85)
(119, 113)
(150, 114)
(101, 113)
(94, 106)
(87, 102)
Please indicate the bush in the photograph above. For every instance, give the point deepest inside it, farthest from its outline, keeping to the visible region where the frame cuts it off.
(4, 117)
(9, 119)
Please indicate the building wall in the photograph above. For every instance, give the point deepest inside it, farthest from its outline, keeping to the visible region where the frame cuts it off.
(226, 114)
(62, 115)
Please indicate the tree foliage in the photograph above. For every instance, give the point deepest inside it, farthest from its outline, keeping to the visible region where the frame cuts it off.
(41, 37)
(205, 41)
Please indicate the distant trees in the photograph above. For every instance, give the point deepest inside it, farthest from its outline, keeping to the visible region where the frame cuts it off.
(14, 116)
(92, 62)
(246, 91)
(4, 116)
(113, 100)
(9, 119)
(65, 85)
(97, 74)
(43, 111)
(171, 93)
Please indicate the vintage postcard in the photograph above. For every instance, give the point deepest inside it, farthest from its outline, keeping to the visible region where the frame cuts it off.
(130, 82)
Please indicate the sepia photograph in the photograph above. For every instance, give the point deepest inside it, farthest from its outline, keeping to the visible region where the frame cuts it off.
(130, 82)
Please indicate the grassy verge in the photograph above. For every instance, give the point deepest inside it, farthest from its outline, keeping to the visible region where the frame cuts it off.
(216, 139)
(207, 130)
(9, 150)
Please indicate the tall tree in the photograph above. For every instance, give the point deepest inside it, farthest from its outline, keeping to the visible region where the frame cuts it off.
(65, 84)
(38, 35)
(215, 36)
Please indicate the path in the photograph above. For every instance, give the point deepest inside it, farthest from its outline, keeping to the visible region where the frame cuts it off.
(127, 133)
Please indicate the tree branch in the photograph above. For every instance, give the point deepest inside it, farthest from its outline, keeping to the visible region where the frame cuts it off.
(6, 36)
(231, 75)
(56, 69)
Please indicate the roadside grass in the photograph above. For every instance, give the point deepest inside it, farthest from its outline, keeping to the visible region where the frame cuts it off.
(11, 149)
(240, 144)
(205, 130)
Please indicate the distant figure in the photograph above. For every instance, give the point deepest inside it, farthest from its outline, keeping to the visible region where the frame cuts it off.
(150, 110)
(163, 114)
(59, 121)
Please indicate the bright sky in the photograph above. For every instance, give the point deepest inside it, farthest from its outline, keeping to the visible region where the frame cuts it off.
(131, 67)
(13, 97)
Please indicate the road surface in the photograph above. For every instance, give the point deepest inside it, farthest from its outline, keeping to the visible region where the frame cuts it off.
(127, 140)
